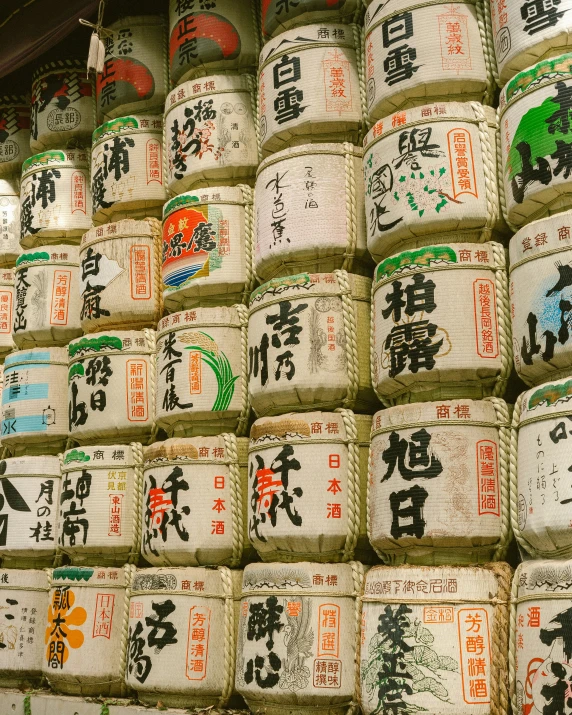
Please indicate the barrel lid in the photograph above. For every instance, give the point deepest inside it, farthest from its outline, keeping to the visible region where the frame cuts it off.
(10, 186)
(138, 20)
(6, 276)
(220, 316)
(152, 124)
(303, 577)
(24, 579)
(308, 36)
(59, 66)
(121, 229)
(458, 413)
(310, 150)
(196, 581)
(297, 427)
(109, 456)
(41, 467)
(544, 236)
(532, 78)
(49, 255)
(310, 285)
(543, 576)
(210, 195)
(113, 342)
(48, 356)
(211, 84)
(192, 449)
(72, 158)
(547, 400)
(85, 576)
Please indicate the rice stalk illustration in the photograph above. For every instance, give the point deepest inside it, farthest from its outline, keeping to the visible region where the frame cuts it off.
(219, 364)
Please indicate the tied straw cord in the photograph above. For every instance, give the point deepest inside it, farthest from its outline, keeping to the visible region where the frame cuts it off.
(96, 55)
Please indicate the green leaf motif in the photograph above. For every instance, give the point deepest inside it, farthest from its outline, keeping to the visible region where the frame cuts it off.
(72, 573)
(220, 365)
(76, 455)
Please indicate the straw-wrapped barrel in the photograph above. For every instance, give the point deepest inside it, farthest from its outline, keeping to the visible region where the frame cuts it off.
(14, 135)
(9, 221)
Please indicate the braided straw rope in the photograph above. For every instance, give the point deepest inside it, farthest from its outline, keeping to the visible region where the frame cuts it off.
(129, 570)
(256, 27)
(503, 318)
(499, 681)
(138, 483)
(353, 501)
(500, 176)
(350, 332)
(151, 342)
(249, 228)
(503, 416)
(157, 234)
(242, 423)
(170, 193)
(385, 402)
(483, 11)
(255, 108)
(237, 513)
(229, 636)
(489, 171)
(351, 206)
(359, 43)
(358, 574)
(512, 638)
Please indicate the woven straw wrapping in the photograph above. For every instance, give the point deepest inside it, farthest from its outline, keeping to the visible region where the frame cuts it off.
(308, 344)
(538, 656)
(206, 524)
(63, 106)
(311, 87)
(311, 192)
(55, 198)
(207, 248)
(136, 72)
(210, 133)
(120, 279)
(218, 36)
(540, 282)
(10, 221)
(202, 372)
(539, 454)
(24, 600)
(417, 53)
(430, 176)
(34, 409)
(127, 169)
(421, 351)
(87, 630)
(309, 658)
(524, 34)
(46, 288)
(449, 629)
(111, 389)
(193, 666)
(278, 16)
(451, 504)
(316, 463)
(534, 171)
(100, 504)
(15, 142)
(31, 488)
(6, 310)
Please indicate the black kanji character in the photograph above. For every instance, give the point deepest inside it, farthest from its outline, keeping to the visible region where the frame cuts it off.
(413, 342)
(422, 464)
(542, 173)
(414, 142)
(408, 520)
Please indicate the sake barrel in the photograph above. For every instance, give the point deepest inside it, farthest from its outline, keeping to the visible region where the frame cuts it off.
(100, 504)
(34, 409)
(311, 87)
(539, 484)
(194, 508)
(416, 54)
(535, 163)
(6, 310)
(192, 663)
(279, 16)
(210, 135)
(135, 72)
(120, 278)
(540, 254)
(539, 664)
(15, 134)
(307, 487)
(9, 221)
(430, 176)
(307, 654)
(46, 282)
(448, 627)
(308, 344)
(111, 389)
(524, 34)
(451, 459)
(63, 106)
(421, 351)
(202, 372)
(87, 656)
(207, 248)
(55, 198)
(24, 601)
(127, 169)
(313, 191)
(29, 515)
(212, 37)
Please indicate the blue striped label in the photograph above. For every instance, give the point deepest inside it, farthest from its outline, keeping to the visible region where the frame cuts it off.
(20, 393)
(23, 356)
(29, 423)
